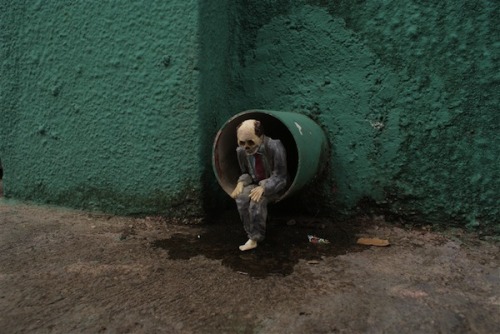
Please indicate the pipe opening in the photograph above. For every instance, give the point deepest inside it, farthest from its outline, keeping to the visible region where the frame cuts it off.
(303, 140)
(226, 165)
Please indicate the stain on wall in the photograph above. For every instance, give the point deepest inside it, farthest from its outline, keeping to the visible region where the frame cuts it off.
(216, 24)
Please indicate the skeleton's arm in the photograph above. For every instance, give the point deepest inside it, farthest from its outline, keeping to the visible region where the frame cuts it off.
(277, 181)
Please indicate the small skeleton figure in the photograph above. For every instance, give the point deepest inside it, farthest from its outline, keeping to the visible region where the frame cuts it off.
(263, 166)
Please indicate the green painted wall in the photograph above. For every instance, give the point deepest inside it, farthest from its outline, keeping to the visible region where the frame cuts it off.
(408, 92)
(216, 44)
(100, 104)
(114, 107)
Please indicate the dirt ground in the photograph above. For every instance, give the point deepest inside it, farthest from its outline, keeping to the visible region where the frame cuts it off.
(67, 271)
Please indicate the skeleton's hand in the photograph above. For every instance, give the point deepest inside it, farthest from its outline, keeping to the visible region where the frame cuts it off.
(256, 193)
(238, 190)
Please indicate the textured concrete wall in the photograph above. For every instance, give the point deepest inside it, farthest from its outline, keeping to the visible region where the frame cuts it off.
(217, 19)
(408, 93)
(100, 104)
(114, 106)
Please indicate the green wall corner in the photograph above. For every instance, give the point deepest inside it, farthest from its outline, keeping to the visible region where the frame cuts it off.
(111, 106)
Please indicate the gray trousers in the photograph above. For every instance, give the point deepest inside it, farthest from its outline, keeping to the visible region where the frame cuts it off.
(253, 214)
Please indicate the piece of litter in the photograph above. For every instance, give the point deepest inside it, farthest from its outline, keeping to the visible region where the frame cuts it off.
(315, 240)
(313, 262)
(242, 273)
(373, 242)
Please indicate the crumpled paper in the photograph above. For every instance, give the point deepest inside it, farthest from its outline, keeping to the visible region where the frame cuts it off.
(315, 240)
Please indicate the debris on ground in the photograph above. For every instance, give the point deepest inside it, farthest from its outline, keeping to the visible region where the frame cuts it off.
(163, 279)
(373, 242)
(315, 240)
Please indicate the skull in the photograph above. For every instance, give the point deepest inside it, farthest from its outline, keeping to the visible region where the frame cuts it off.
(249, 135)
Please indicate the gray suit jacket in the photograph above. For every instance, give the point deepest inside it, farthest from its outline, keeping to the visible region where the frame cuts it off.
(274, 158)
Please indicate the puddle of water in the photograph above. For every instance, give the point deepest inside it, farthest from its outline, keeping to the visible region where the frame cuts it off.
(284, 246)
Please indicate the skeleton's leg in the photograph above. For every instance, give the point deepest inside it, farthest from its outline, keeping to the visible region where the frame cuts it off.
(243, 204)
(254, 216)
(256, 227)
(258, 218)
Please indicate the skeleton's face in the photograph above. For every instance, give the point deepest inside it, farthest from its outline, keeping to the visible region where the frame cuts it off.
(247, 138)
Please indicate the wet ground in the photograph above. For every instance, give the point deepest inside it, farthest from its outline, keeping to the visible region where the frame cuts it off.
(66, 271)
(287, 243)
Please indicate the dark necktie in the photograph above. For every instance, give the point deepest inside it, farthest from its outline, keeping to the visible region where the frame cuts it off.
(260, 173)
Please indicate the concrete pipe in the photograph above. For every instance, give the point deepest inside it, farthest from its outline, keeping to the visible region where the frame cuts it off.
(304, 141)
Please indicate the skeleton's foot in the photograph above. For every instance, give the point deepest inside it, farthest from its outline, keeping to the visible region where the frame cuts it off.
(250, 244)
